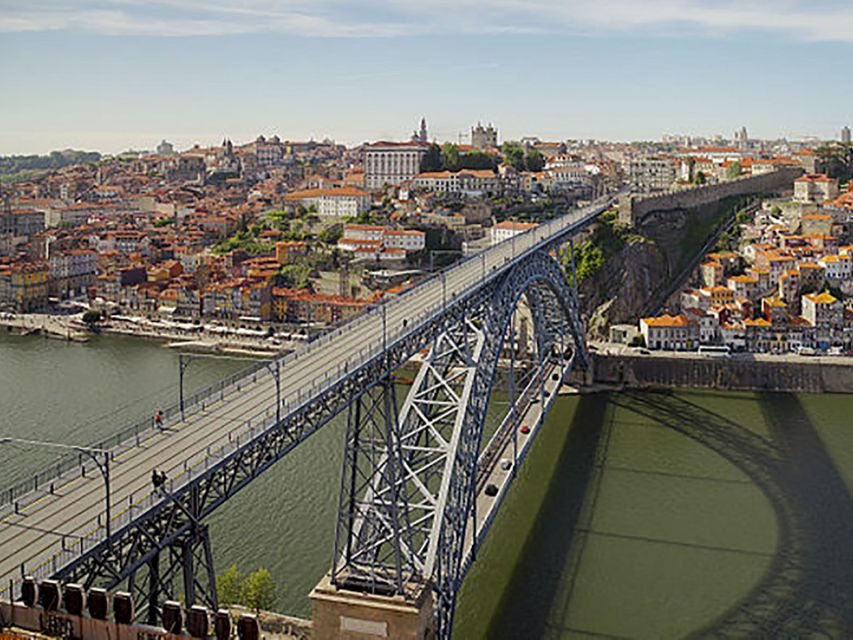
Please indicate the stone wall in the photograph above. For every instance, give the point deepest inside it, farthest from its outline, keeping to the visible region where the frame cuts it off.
(634, 210)
(814, 375)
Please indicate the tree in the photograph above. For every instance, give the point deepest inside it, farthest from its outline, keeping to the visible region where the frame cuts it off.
(450, 157)
(513, 154)
(700, 178)
(734, 170)
(331, 234)
(259, 590)
(477, 160)
(535, 160)
(92, 317)
(229, 586)
(432, 160)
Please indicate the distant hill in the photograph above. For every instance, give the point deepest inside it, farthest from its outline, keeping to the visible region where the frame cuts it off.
(10, 165)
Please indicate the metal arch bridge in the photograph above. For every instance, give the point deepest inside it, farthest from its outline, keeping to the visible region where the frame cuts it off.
(413, 477)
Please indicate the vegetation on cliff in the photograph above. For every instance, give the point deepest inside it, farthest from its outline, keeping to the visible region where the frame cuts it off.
(607, 239)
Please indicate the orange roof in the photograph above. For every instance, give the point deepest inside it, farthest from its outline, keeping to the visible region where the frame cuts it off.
(821, 298)
(343, 192)
(515, 226)
(667, 321)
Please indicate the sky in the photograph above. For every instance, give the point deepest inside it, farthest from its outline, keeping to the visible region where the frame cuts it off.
(110, 75)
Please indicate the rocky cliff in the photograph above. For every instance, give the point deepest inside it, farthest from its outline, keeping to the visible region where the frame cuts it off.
(621, 289)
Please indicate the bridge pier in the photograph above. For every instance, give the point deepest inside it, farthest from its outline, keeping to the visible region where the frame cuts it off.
(344, 614)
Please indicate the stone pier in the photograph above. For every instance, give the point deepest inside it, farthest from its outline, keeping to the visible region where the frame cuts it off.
(354, 615)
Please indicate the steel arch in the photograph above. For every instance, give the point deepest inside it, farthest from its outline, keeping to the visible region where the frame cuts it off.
(400, 520)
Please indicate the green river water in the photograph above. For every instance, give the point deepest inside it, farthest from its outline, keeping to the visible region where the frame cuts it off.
(638, 515)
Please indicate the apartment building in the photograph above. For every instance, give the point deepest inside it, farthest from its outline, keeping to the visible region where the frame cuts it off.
(392, 163)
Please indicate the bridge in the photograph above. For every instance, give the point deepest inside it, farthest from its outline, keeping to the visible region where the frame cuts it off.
(419, 487)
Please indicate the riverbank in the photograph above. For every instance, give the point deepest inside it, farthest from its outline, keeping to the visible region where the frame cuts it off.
(208, 338)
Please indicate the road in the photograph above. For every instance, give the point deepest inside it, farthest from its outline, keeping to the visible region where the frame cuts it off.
(31, 541)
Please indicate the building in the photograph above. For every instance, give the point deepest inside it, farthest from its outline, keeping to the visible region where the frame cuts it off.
(406, 239)
(815, 187)
(375, 241)
(653, 173)
(673, 333)
(24, 285)
(73, 271)
(421, 135)
(392, 163)
(742, 139)
(165, 148)
(484, 137)
(507, 229)
(845, 135)
(289, 252)
(338, 202)
(822, 310)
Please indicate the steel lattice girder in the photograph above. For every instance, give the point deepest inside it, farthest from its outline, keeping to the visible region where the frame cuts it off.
(133, 546)
(387, 512)
(440, 429)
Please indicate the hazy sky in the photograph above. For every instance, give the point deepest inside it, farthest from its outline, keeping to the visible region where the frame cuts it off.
(113, 74)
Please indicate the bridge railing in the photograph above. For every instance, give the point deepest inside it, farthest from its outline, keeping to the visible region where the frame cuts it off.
(88, 536)
(72, 465)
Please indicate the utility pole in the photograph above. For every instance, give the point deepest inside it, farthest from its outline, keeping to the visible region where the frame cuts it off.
(92, 452)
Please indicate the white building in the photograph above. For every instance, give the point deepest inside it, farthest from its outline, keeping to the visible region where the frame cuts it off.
(391, 163)
(838, 267)
(673, 333)
(339, 202)
(406, 239)
(507, 229)
(815, 187)
(653, 173)
(375, 239)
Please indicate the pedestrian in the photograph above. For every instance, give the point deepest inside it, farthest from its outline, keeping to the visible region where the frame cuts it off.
(158, 420)
(155, 479)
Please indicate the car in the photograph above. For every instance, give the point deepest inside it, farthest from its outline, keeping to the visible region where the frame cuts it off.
(491, 490)
(524, 429)
(506, 464)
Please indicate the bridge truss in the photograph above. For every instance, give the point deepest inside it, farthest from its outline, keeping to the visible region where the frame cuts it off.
(408, 488)
(404, 513)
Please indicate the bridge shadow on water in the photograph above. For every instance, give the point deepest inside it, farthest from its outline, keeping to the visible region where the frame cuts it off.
(807, 590)
(545, 551)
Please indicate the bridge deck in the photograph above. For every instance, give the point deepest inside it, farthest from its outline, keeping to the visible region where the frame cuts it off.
(31, 541)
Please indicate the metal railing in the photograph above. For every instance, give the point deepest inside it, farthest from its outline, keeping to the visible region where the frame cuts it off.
(86, 537)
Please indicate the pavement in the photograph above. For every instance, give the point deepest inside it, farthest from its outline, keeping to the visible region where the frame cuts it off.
(31, 541)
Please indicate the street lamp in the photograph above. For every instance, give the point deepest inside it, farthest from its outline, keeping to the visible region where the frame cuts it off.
(93, 453)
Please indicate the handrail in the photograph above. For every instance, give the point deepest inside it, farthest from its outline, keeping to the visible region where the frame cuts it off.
(68, 466)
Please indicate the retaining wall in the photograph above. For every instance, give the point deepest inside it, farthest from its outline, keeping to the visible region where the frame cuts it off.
(815, 375)
(634, 209)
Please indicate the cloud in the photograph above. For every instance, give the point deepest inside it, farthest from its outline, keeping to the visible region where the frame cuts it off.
(819, 20)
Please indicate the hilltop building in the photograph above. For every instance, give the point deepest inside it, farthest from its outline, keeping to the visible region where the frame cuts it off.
(484, 137)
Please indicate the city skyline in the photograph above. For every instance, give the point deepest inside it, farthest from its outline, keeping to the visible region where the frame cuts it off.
(111, 75)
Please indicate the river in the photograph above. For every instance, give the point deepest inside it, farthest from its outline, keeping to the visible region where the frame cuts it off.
(644, 515)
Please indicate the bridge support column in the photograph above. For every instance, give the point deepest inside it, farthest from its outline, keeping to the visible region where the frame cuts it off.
(340, 613)
(153, 589)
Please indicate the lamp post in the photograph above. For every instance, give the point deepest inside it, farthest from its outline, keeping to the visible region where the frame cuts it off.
(93, 453)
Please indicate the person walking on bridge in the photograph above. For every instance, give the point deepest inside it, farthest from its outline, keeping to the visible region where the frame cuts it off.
(158, 419)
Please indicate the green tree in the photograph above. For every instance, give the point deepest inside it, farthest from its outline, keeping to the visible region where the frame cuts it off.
(734, 170)
(450, 159)
(477, 160)
(432, 160)
(331, 234)
(535, 160)
(513, 154)
(229, 586)
(700, 178)
(259, 590)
